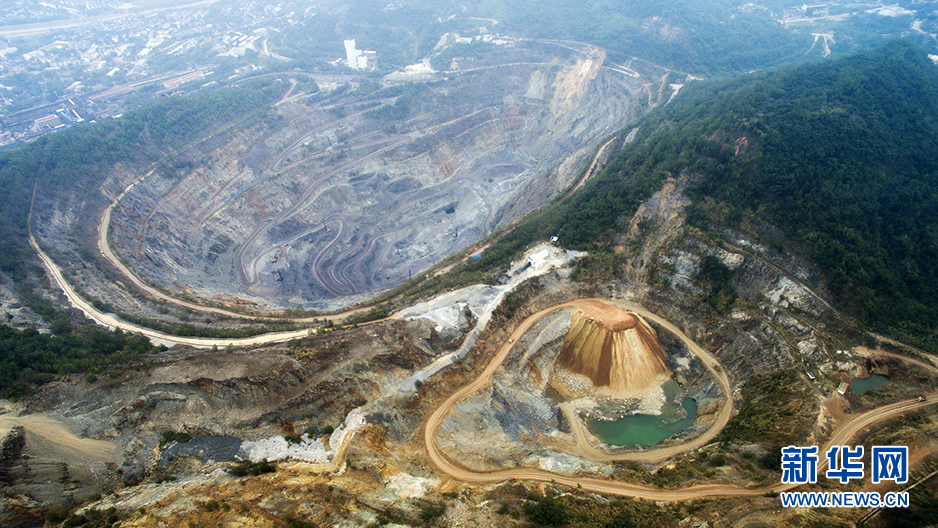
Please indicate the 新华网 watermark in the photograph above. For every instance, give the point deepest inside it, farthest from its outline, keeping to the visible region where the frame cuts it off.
(889, 463)
(844, 499)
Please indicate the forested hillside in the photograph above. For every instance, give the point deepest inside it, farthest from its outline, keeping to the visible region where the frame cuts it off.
(841, 156)
(844, 158)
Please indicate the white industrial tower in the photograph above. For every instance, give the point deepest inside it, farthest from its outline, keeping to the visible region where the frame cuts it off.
(351, 54)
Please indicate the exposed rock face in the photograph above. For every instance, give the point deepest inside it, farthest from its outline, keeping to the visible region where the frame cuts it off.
(614, 349)
(43, 463)
(12, 448)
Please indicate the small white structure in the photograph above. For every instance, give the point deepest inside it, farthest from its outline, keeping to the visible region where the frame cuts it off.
(356, 58)
(842, 389)
(537, 260)
(351, 53)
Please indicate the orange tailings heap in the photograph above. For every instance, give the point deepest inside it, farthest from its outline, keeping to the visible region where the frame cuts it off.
(615, 349)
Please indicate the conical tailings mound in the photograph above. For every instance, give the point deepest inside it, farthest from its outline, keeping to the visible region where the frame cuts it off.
(614, 349)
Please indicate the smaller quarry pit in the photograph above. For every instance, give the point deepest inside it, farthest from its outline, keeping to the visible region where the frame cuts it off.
(578, 365)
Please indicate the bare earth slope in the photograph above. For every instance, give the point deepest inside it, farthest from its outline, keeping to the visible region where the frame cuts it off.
(614, 349)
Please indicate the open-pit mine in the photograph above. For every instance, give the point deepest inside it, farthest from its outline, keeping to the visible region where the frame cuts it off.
(353, 186)
(449, 395)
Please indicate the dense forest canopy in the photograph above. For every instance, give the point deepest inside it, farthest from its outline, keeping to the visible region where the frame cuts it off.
(842, 156)
(28, 358)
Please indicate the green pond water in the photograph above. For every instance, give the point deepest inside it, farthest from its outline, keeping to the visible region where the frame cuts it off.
(647, 429)
(859, 386)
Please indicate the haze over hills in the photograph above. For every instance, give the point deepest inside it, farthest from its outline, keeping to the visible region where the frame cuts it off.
(100, 59)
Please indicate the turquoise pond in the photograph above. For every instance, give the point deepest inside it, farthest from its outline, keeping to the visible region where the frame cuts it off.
(647, 429)
(860, 386)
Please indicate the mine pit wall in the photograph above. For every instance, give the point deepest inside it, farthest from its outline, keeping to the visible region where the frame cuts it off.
(67, 230)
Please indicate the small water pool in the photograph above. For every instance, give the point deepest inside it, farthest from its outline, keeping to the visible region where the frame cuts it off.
(860, 386)
(646, 429)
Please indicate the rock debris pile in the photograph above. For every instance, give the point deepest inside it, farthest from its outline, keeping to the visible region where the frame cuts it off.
(617, 350)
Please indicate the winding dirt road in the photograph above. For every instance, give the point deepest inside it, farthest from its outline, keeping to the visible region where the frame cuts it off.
(112, 321)
(591, 171)
(840, 437)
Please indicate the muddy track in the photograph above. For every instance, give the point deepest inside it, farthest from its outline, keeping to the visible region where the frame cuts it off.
(591, 171)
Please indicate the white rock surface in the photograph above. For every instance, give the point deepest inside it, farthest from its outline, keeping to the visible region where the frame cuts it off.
(277, 448)
(407, 486)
